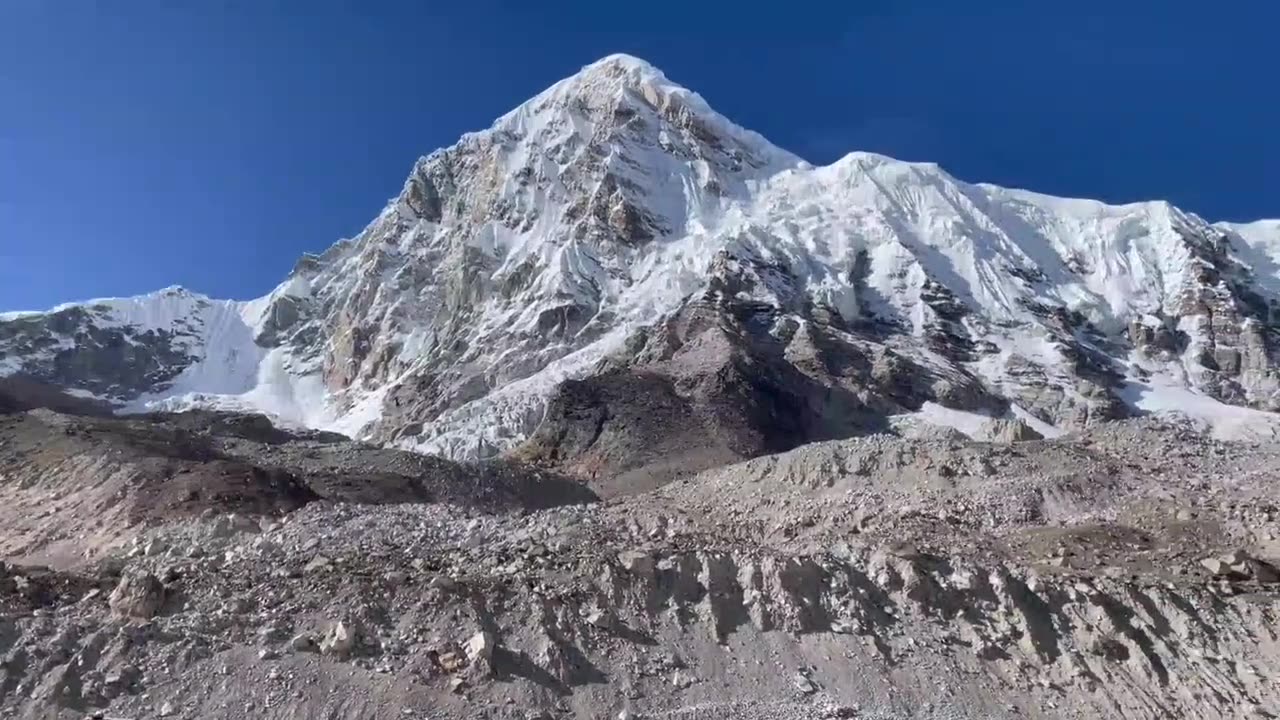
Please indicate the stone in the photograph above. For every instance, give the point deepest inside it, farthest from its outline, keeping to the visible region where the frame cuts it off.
(862, 519)
(1236, 557)
(456, 684)
(318, 563)
(803, 684)
(1264, 572)
(273, 632)
(154, 547)
(340, 640)
(230, 524)
(1240, 565)
(442, 582)
(1216, 566)
(451, 660)
(304, 642)
(636, 562)
(904, 550)
(137, 595)
(1251, 567)
(1000, 430)
(843, 627)
(479, 649)
(166, 710)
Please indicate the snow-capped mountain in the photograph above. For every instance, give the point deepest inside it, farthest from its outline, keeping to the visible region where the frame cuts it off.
(613, 251)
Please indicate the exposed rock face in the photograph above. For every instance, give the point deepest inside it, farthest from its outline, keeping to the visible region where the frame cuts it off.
(1221, 321)
(616, 230)
(724, 380)
(19, 393)
(118, 350)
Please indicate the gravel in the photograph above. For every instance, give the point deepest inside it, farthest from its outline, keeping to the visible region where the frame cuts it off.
(1126, 571)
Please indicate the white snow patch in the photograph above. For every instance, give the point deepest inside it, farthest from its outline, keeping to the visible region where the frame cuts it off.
(1035, 423)
(1221, 421)
(969, 423)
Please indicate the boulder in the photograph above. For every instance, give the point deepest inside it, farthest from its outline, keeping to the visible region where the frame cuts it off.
(636, 562)
(137, 595)
(340, 640)
(231, 524)
(479, 649)
(1217, 567)
(1240, 565)
(304, 642)
(1000, 430)
(598, 617)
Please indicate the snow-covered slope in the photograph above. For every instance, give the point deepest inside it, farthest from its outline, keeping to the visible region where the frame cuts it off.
(135, 349)
(608, 222)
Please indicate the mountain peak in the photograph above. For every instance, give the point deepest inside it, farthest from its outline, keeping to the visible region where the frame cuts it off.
(621, 63)
(616, 88)
(616, 218)
(611, 77)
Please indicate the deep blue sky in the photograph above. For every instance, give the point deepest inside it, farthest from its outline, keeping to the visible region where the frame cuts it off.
(207, 144)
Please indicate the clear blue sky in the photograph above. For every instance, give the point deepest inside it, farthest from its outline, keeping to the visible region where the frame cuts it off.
(145, 143)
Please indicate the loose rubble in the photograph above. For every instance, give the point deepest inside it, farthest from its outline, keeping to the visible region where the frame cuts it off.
(1127, 571)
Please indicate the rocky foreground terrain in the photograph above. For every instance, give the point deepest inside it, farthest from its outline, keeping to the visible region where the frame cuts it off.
(206, 565)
